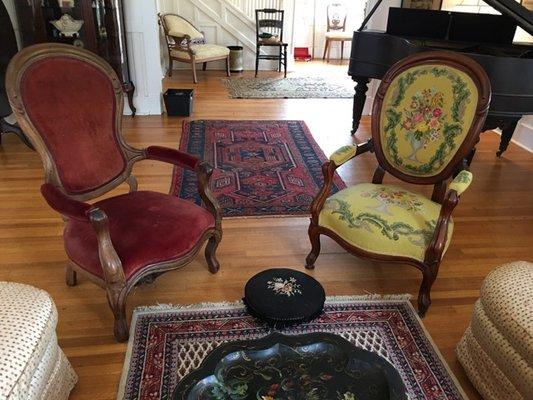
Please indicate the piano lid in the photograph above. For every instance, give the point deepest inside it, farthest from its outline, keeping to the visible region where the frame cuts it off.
(511, 8)
(515, 10)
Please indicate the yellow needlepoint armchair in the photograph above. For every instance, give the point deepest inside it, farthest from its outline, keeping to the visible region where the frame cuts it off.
(426, 120)
(187, 44)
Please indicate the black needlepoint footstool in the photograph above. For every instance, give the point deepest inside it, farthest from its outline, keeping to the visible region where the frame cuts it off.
(282, 297)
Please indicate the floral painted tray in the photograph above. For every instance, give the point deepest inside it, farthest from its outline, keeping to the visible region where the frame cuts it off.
(315, 366)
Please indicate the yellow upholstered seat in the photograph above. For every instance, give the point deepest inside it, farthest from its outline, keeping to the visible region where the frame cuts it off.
(339, 35)
(202, 52)
(383, 219)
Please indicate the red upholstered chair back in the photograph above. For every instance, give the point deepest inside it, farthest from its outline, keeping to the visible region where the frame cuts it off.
(69, 102)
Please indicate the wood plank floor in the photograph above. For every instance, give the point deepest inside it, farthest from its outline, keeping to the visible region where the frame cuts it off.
(494, 225)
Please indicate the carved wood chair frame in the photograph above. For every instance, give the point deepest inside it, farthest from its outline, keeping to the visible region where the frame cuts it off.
(114, 282)
(335, 28)
(448, 199)
(183, 43)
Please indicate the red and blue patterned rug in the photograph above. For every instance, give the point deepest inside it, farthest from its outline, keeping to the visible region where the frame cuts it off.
(166, 343)
(262, 168)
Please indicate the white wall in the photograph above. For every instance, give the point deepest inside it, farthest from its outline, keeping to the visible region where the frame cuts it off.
(144, 55)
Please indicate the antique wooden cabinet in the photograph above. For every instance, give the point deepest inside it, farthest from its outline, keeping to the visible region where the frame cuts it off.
(101, 31)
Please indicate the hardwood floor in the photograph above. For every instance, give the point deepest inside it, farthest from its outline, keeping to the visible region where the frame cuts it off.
(493, 225)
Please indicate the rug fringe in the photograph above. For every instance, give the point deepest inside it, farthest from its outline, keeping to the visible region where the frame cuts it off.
(190, 307)
(239, 303)
(370, 296)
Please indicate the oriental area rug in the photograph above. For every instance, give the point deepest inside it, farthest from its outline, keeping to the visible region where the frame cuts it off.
(167, 342)
(301, 87)
(262, 168)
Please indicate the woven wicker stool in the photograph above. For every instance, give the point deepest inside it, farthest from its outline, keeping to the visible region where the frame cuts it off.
(496, 350)
(32, 366)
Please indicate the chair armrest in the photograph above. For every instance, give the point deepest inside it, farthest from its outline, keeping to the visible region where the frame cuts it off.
(456, 188)
(338, 158)
(109, 259)
(438, 242)
(346, 153)
(65, 205)
(172, 156)
(461, 182)
(204, 172)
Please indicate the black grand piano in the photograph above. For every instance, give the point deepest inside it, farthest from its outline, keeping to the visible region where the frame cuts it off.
(487, 38)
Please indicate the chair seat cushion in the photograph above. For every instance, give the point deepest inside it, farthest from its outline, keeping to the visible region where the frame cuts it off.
(202, 52)
(339, 35)
(146, 228)
(383, 219)
(275, 41)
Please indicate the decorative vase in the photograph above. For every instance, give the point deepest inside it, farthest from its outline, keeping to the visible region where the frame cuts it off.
(416, 144)
(67, 26)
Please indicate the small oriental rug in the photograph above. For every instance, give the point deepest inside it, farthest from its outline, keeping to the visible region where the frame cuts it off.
(166, 343)
(301, 87)
(262, 168)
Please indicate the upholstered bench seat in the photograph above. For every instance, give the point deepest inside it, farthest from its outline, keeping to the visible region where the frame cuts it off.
(32, 366)
(496, 350)
(202, 52)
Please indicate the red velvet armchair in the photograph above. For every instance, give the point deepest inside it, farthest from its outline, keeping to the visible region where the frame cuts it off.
(69, 102)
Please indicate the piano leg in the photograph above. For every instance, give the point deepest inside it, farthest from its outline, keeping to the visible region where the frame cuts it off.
(359, 99)
(508, 128)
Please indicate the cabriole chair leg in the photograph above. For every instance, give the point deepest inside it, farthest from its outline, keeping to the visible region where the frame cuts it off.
(117, 303)
(71, 277)
(424, 294)
(210, 250)
(314, 238)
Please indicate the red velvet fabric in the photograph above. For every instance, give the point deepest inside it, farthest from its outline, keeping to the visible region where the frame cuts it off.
(146, 228)
(72, 106)
(64, 204)
(172, 156)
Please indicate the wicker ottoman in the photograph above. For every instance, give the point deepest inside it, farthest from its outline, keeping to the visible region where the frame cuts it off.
(32, 366)
(496, 350)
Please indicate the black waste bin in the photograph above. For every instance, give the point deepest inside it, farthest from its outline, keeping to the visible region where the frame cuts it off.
(178, 102)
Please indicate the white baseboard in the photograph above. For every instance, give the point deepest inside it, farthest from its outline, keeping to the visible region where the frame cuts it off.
(523, 135)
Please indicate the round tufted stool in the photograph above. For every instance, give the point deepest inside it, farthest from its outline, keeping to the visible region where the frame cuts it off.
(32, 366)
(496, 350)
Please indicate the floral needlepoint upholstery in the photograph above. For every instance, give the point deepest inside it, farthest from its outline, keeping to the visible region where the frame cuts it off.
(461, 182)
(383, 219)
(343, 154)
(426, 114)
